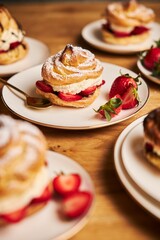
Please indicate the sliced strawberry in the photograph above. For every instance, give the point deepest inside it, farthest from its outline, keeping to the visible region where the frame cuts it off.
(148, 147)
(43, 86)
(139, 30)
(88, 91)
(91, 90)
(65, 184)
(121, 34)
(76, 204)
(2, 51)
(69, 97)
(111, 108)
(130, 98)
(45, 196)
(122, 83)
(14, 217)
(14, 44)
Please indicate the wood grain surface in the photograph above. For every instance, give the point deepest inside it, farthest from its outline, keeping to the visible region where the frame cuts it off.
(115, 215)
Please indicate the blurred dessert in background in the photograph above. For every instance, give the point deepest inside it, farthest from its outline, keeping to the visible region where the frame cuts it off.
(12, 44)
(151, 126)
(25, 185)
(127, 23)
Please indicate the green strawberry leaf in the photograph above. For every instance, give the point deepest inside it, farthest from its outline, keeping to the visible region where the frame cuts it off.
(109, 107)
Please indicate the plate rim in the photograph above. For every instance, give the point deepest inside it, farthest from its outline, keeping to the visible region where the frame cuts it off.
(86, 127)
(147, 73)
(106, 46)
(127, 169)
(143, 199)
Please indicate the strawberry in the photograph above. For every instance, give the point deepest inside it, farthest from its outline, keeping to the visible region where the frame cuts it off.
(139, 30)
(14, 217)
(130, 98)
(69, 97)
(44, 197)
(91, 90)
(65, 184)
(121, 34)
(88, 91)
(76, 204)
(14, 44)
(111, 108)
(44, 86)
(151, 57)
(148, 147)
(121, 84)
(136, 31)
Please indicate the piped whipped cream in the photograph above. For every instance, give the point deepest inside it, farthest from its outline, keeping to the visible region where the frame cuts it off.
(75, 88)
(15, 202)
(10, 36)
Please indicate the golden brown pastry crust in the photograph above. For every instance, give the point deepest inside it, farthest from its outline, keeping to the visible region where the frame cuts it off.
(111, 38)
(129, 14)
(12, 55)
(84, 102)
(72, 65)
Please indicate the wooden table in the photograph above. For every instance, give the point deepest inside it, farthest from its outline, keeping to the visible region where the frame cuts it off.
(116, 215)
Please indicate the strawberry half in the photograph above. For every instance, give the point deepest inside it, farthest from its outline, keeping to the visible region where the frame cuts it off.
(65, 184)
(130, 98)
(44, 86)
(111, 108)
(14, 217)
(76, 204)
(14, 44)
(44, 197)
(139, 30)
(88, 91)
(122, 83)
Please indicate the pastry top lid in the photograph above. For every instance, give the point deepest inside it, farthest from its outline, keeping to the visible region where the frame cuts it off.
(70, 65)
(130, 13)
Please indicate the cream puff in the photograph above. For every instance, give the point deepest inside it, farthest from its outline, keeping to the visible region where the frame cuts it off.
(127, 23)
(151, 126)
(12, 44)
(25, 184)
(71, 78)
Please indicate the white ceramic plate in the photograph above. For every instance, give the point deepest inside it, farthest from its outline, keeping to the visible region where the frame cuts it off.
(37, 54)
(69, 118)
(92, 34)
(144, 174)
(47, 224)
(144, 199)
(147, 73)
